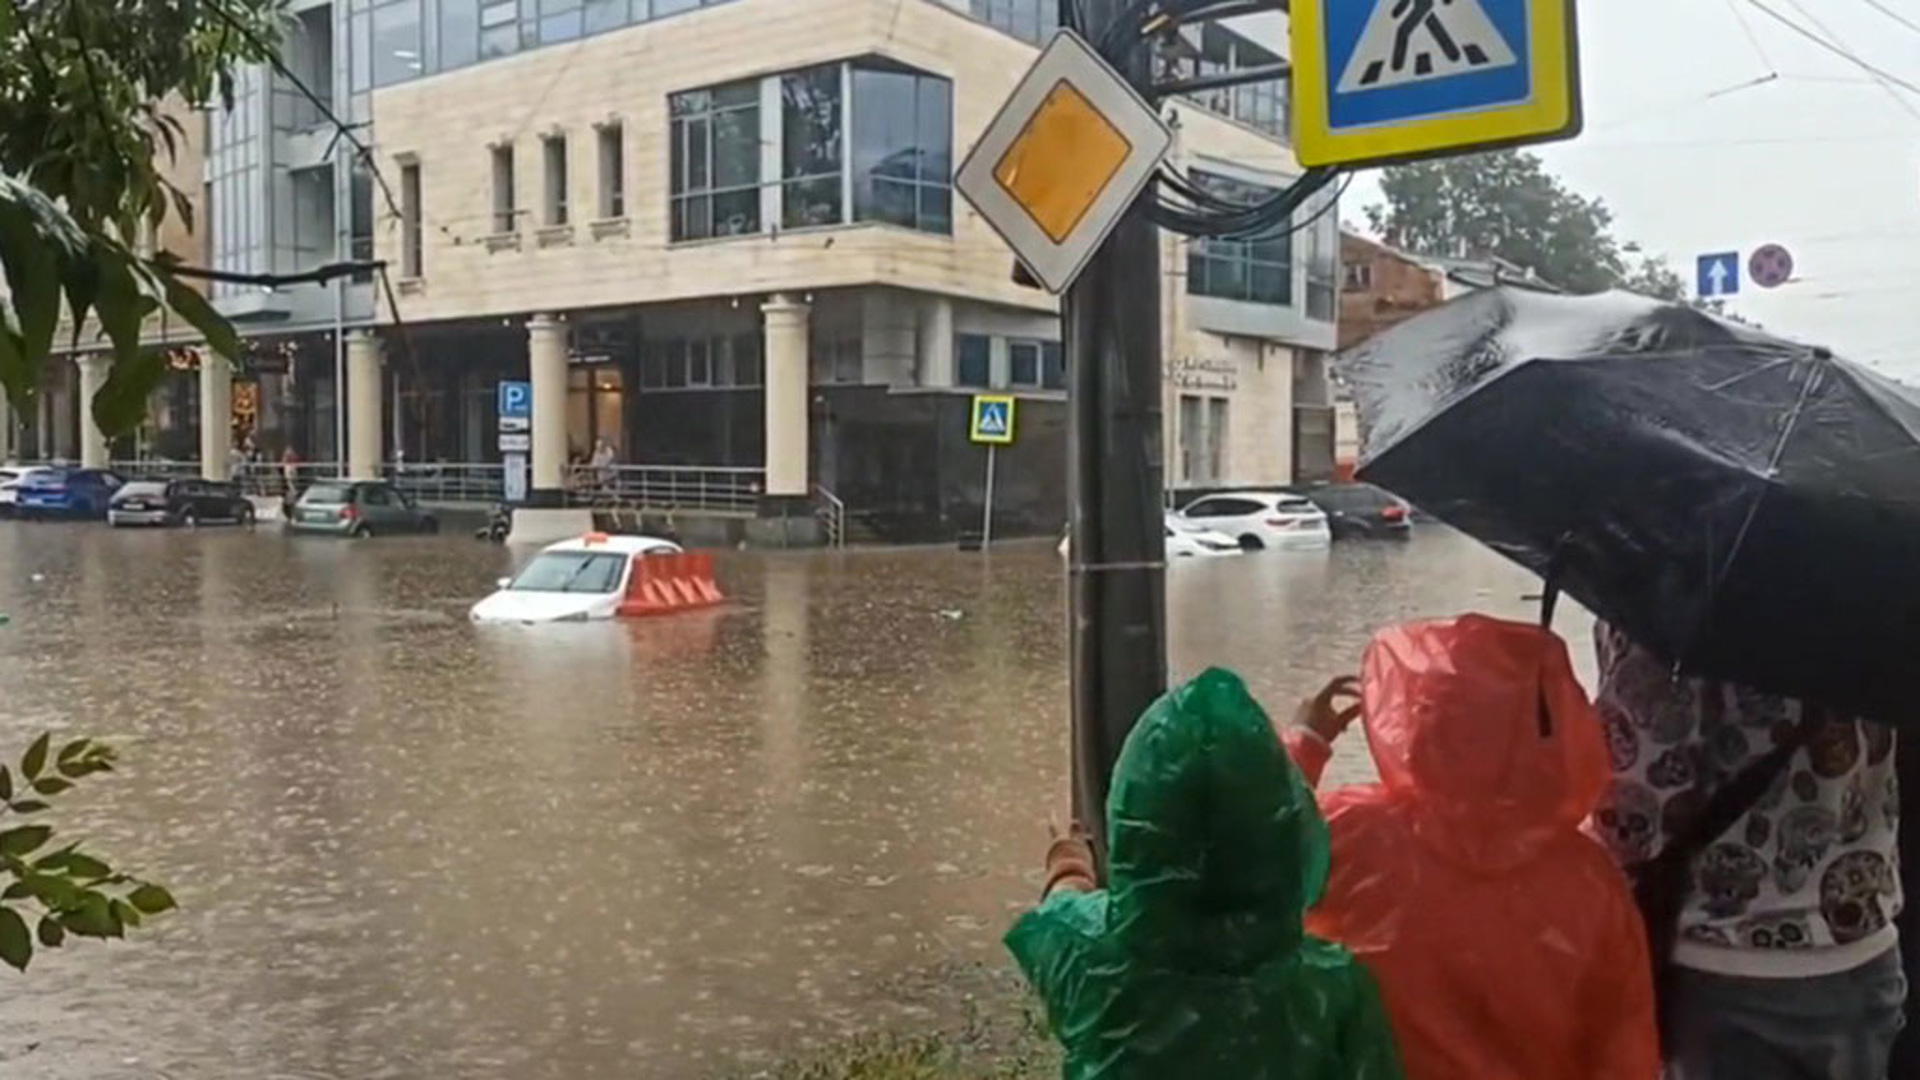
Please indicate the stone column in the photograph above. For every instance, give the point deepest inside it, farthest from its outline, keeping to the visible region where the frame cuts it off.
(363, 406)
(93, 441)
(9, 430)
(547, 371)
(787, 377)
(216, 416)
(936, 342)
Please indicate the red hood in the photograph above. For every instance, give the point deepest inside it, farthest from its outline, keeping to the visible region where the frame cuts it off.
(1455, 712)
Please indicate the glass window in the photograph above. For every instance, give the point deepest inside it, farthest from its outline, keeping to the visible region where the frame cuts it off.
(1257, 270)
(396, 42)
(572, 572)
(1023, 363)
(1029, 20)
(553, 152)
(560, 20)
(613, 172)
(973, 361)
(410, 231)
(1053, 365)
(360, 207)
(499, 28)
(608, 14)
(1322, 241)
(313, 236)
(903, 149)
(505, 212)
(459, 33)
(810, 147)
(715, 161)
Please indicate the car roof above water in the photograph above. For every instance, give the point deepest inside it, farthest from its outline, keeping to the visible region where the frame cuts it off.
(614, 545)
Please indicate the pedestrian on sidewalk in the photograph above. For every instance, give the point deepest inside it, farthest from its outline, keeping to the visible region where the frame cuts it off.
(1505, 942)
(1782, 961)
(1192, 963)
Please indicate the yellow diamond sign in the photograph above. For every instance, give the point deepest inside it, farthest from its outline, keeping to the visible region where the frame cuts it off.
(1065, 158)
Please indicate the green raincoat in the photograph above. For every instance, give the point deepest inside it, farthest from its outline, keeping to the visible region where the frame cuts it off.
(1192, 963)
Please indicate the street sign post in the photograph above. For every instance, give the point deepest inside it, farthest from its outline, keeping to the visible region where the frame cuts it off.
(1718, 275)
(1771, 266)
(515, 480)
(992, 427)
(1380, 81)
(515, 405)
(1067, 155)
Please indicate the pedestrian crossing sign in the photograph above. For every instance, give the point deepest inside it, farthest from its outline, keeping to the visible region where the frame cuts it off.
(1381, 81)
(992, 419)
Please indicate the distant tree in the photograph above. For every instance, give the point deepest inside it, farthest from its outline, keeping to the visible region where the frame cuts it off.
(1506, 204)
(61, 890)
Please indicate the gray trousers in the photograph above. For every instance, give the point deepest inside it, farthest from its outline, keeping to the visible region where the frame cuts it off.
(1834, 1027)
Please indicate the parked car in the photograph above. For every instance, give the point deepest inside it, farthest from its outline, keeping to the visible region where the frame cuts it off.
(1185, 540)
(64, 493)
(10, 487)
(179, 502)
(1363, 511)
(358, 508)
(1262, 519)
(571, 581)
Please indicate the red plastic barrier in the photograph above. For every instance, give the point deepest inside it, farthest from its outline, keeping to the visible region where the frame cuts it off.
(669, 584)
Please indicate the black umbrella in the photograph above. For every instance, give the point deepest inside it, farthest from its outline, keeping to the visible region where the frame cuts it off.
(1746, 507)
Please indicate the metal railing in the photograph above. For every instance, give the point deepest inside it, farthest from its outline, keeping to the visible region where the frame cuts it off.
(450, 482)
(832, 513)
(665, 487)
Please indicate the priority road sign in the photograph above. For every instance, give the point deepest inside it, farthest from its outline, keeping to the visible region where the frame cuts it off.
(1378, 81)
(516, 400)
(1718, 275)
(1771, 266)
(992, 420)
(1067, 155)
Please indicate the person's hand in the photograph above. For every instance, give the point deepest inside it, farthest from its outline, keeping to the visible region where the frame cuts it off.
(1069, 861)
(1328, 713)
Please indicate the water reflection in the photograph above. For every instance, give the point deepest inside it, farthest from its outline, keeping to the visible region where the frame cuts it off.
(408, 846)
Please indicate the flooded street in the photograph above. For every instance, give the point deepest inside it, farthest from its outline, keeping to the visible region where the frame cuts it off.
(405, 846)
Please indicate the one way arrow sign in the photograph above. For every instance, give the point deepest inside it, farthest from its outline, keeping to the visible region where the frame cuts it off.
(1719, 275)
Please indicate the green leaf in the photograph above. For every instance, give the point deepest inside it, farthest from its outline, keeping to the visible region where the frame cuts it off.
(92, 917)
(25, 839)
(121, 404)
(33, 274)
(86, 867)
(53, 891)
(51, 785)
(36, 757)
(19, 890)
(76, 749)
(27, 806)
(16, 945)
(124, 914)
(191, 306)
(151, 899)
(6, 784)
(52, 934)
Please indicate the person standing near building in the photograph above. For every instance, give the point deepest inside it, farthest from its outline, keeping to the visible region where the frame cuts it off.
(1783, 961)
(603, 464)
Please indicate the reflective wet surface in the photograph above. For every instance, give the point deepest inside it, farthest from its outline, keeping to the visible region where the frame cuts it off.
(406, 846)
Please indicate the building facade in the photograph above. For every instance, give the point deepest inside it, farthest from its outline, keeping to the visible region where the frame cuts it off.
(723, 235)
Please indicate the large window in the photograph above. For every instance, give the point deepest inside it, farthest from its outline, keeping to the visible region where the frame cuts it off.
(718, 362)
(903, 149)
(397, 54)
(715, 166)
(810, 156)
(1203, 439)
(561, 20)
(314, 242)
(1322, 255)
(459, 33)
(973, 361)
(553, 153)
(505, 209)
(410, 233)
(1258, 270)
(1031, 20)
(499, 28)
(613, 171)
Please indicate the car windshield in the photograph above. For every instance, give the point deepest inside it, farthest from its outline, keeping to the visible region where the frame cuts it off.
(143, 488)
(325, 495)
(571, 572)
(1296, 506)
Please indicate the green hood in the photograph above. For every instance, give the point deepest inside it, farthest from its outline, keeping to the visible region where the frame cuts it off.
(1217, 848)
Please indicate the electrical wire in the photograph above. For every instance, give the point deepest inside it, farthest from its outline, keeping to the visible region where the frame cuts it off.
(1878, 73)
(1753, 39)
(1890, 13)
(1904, 105)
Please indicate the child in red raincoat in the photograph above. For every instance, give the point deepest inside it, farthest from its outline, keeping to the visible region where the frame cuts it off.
(1505, 942)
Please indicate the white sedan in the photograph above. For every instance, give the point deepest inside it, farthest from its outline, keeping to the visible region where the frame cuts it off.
(571, 581)
(1185, 540)
(1262, 519)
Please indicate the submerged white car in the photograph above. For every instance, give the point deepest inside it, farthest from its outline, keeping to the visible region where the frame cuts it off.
(1185, 540)
(571, 581)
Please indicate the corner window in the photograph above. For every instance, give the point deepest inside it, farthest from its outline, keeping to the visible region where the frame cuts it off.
(1258, 270)
(553, 153)
(903, 149)
(504, 210)
(973, 361)
(613, 172)
(715, 161)
(810, 165)
(410, 233)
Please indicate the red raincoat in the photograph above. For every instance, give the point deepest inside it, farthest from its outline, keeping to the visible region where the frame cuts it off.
(1505, 943)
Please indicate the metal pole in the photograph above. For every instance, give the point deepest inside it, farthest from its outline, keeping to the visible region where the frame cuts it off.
(986, 516)
(1118, 590)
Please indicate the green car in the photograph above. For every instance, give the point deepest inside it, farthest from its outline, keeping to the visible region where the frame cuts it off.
(358, 508)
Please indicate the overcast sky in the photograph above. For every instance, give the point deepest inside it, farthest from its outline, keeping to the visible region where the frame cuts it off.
(1695, 156)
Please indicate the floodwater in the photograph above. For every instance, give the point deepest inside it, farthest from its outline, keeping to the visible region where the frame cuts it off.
(406, 846)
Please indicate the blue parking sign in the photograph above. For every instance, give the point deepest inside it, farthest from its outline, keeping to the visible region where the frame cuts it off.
(516, 400)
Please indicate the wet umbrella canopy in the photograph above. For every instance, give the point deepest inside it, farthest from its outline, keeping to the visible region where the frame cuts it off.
(1746, 507)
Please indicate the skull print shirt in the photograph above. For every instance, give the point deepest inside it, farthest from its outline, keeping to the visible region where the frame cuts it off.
(1807, 883)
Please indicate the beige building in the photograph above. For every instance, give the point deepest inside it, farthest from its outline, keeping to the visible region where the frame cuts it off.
(722, 236)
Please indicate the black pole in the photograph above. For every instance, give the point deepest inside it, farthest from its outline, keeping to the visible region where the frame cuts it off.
(1118, 589)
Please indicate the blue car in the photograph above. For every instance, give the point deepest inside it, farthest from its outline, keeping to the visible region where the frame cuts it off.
(65, 493)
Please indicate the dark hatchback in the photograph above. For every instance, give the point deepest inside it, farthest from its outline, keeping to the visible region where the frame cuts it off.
(179, 502)
(1362, 511)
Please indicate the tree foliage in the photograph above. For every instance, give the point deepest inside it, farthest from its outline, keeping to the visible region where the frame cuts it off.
(59, 891)
(1506, 204)
(83, 139)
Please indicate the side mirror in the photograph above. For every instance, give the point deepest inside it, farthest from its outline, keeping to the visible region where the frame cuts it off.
(504, 582)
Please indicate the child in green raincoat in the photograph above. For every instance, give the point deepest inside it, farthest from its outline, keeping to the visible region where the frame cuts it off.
(1192, 963)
